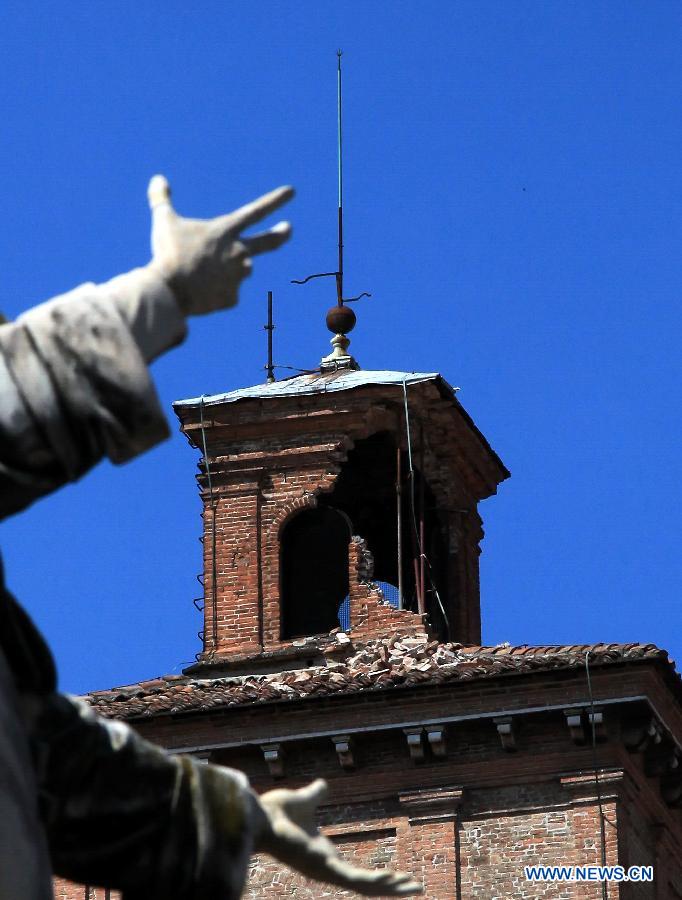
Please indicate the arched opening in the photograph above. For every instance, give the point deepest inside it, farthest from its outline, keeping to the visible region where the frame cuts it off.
(314, 571)
(366, 492)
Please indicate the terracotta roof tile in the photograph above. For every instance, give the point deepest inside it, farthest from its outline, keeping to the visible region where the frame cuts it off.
(377, 665)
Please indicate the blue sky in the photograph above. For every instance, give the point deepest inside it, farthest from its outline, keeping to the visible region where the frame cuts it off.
(513, 202)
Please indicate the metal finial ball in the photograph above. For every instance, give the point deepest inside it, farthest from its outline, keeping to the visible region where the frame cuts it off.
(340, 319)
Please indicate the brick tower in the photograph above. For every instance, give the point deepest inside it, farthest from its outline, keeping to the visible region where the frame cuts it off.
(342, 639)
(323, 489)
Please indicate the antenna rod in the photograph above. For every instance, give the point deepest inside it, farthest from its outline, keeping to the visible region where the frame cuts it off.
(399, 522)
(339, 277)
(421, 594)
(270, 328)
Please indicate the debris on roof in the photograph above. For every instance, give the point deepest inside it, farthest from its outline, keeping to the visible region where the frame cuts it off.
(378, 665)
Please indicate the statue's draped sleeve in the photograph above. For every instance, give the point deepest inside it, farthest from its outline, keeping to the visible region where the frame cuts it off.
(121, 813)
(75, 385)
(116, 811)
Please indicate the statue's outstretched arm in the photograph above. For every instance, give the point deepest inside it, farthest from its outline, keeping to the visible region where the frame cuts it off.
(75, 388)
(73, 371)
(121, 813)
(291, 835)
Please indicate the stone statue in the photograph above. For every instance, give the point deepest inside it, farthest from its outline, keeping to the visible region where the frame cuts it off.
(87, 799)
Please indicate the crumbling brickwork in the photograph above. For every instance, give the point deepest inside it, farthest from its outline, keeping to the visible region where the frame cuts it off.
(370, 613)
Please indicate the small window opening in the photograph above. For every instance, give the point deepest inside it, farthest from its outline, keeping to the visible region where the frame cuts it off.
(314, 566)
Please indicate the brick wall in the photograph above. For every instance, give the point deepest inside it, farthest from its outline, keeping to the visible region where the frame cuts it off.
(469, 843)
(459, 858)
(639, 848)
(374, 848)
(534, 804)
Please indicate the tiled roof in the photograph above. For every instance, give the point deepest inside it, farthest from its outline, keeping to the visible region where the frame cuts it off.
(377, 665)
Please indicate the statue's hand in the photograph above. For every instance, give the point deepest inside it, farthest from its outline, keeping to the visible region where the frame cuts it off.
(292, 837)
(204, 261)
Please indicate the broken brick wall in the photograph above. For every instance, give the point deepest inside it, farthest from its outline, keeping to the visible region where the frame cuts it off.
(370, 613)
(249, 509)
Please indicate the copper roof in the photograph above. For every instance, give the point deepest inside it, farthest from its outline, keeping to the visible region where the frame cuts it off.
(318, 383)
(377, 665)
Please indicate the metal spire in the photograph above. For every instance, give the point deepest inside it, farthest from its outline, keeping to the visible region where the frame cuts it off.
(340, 319)
(339, 107)
(269, 367)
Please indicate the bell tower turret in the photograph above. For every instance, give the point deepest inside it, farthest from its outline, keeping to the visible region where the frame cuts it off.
(339, 503)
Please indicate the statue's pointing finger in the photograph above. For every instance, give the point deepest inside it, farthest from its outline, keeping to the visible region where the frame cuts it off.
(204, 261)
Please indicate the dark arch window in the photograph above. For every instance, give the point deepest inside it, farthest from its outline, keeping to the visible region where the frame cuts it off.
(314, 571)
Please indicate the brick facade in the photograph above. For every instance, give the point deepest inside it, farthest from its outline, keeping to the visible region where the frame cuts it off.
(458, 763)
(471, 802)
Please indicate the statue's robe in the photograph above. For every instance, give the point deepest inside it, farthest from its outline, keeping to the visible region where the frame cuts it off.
(80, 797)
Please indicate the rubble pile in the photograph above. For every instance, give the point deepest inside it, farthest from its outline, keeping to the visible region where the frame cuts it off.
(377, 665)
